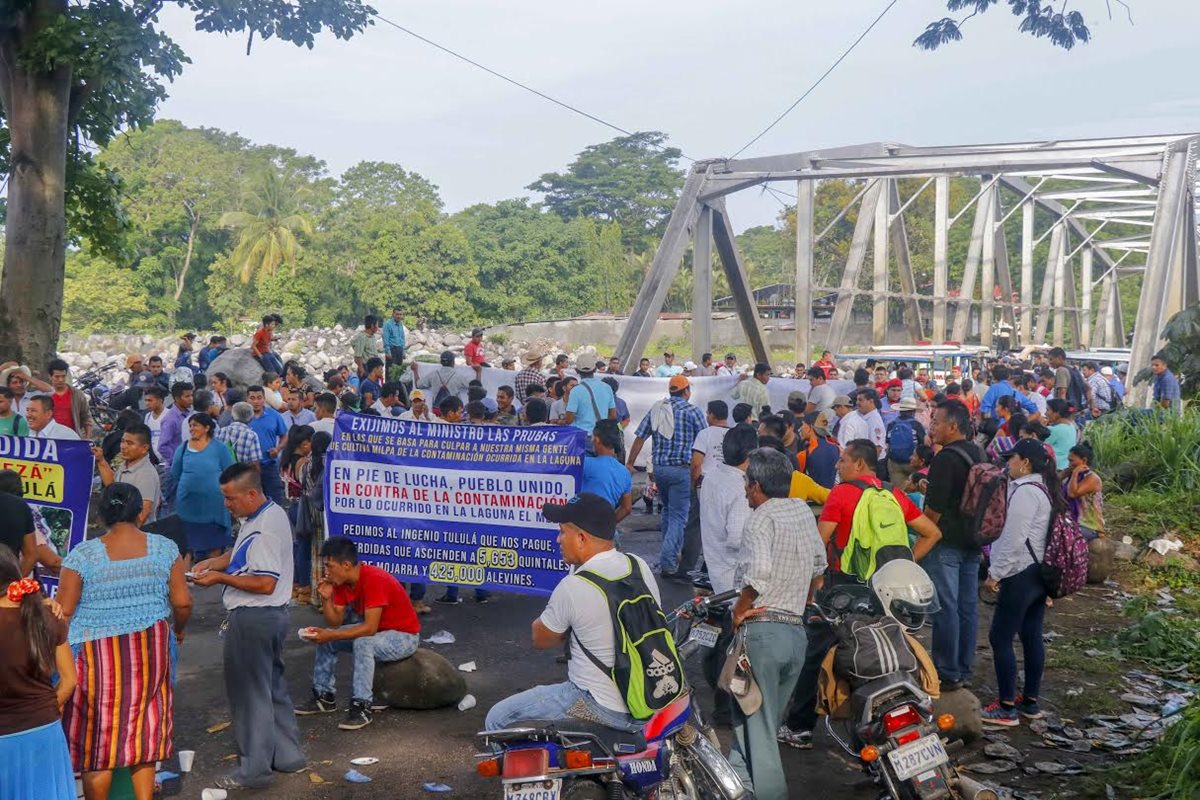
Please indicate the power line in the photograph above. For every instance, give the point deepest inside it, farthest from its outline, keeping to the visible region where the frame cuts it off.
(514, 81)
(819, 80)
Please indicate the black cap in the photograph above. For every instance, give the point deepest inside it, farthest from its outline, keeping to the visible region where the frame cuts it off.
(588, 512)
(1030, 449)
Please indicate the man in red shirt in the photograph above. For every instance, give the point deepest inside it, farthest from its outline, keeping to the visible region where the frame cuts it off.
(260, 345)
(857, 464)
(371, 617)
(70, 404)
(473, 351)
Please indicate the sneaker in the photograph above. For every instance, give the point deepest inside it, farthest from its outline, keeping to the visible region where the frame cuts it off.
(801, 740)
(421, 607)
(448, 601)
(483, 601)
(952, 686)
(320, 703)
(1029, 709)
(359, 716)
(1001, 716)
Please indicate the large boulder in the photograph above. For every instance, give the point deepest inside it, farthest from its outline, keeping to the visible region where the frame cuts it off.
(968, 724)
(1102, 552)
(242, 368)
(423, 681)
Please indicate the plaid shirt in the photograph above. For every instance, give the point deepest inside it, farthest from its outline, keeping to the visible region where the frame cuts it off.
(242, 441)
(781, 553)
(676, 451)
(530, 376)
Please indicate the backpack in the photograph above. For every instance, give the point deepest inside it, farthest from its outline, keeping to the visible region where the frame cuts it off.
(878, 533)
(442, 393)
(1077, 389)
(1064, 565)
(646, 669)
(902, 439)
(985, 499)
(869, 648)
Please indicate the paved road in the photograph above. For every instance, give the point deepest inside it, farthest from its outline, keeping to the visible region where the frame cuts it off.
(415, 747)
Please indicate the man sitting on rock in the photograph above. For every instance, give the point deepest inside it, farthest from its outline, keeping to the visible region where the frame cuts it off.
(371, 617)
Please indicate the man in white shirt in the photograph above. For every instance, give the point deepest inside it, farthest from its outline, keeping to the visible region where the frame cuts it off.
(257, 576)
(389, 398)
(729, 368)
(706, 450)
(867, 402)
(156, 408)
(40, 416)
(326, 408)
(820, 396)
(296, 413)
(420, 409)
(578, 611)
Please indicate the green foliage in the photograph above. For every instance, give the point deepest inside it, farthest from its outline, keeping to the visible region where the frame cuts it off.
(1160, 639)
(98, 298)
(269, 227)
(1043, 20)
(1182, 351)
(631, 181)
(1136, 450)
(1171, 770)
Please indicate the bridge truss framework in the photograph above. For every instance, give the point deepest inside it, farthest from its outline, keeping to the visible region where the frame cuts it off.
(1137, 183)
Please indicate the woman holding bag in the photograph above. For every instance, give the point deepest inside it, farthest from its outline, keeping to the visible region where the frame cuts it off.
(1034, 498)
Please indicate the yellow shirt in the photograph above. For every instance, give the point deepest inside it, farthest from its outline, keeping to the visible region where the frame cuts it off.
(806, 489)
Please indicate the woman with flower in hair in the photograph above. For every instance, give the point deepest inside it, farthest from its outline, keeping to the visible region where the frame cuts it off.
(121, 593)
(34, 759)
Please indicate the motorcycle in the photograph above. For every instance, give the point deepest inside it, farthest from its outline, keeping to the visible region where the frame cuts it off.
(891, 730)
(674, 757)
(93, 385)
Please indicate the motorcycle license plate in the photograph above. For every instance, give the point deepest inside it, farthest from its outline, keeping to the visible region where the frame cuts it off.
(539, 790)
(706, 635)
(916, 757)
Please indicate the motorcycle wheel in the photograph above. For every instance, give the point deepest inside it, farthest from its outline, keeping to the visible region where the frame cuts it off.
(584, 790)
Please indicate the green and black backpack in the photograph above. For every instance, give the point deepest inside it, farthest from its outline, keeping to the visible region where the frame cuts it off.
(647, 669)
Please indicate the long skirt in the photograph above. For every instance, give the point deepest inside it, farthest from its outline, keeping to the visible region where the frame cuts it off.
(121, 713)
(36, 765)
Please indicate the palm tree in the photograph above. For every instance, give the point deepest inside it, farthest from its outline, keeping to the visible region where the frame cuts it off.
(268, 228)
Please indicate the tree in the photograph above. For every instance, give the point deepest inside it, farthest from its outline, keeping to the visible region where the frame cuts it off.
(1182, 351)
(268, 228)
(633, 181)
(74, 75)
(99, 298)
(1043, 20)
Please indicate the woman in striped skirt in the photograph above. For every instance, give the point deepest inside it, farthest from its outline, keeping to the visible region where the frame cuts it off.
(121, 592)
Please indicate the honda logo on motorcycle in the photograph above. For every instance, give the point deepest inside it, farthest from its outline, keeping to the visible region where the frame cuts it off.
(640, 767)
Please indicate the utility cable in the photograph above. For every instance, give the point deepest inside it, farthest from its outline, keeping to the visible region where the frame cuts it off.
(819, 80)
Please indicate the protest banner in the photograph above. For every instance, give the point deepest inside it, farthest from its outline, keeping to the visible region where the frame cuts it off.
(56, 475)
(453, 504)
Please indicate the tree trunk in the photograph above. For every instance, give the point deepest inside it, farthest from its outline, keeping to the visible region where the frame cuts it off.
(187, 259)
(36, 105)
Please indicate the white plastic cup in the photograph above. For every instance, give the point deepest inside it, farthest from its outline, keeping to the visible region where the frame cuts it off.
(467, 703)
(214, 794)
(186, 757)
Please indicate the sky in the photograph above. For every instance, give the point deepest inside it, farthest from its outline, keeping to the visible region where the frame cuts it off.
(709, 74)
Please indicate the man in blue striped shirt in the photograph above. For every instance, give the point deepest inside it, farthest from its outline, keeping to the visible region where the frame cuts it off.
(672, 425)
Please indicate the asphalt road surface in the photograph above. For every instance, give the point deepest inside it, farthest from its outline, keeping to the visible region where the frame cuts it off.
(418, 747)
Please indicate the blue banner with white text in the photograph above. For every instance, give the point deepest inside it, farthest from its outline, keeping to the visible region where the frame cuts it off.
(455, 504)
(56, 477)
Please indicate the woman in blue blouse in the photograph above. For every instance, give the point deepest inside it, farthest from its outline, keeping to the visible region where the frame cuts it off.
(121, 593)
(197, 471)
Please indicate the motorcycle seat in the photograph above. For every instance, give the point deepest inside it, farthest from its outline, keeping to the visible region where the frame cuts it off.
(620, 742)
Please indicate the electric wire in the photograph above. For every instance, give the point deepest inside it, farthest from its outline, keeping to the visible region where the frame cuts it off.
(819, 80)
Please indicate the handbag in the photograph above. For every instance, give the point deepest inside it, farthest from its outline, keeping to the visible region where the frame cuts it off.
(737, 676)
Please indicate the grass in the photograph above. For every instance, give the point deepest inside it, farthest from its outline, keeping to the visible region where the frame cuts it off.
(1158, 639)
(1147, 513)
(1170, 771)
(1138, 450)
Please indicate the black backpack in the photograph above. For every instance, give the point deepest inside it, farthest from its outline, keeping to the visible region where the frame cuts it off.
(646, 669)
(1077, 390)
(443, 391)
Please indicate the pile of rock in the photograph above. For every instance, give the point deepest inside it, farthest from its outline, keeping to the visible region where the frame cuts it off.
(317, 349)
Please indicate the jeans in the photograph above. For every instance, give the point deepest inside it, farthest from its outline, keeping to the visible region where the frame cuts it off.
(802, 713)
(272, 484)
(955, 574)
(271, 363)
(776, 653)
(556, 701)
(1020, 609)
(302, 559)
(675, 491)
(394, 355)
(693, 551)
(383, 646)
(452, 594)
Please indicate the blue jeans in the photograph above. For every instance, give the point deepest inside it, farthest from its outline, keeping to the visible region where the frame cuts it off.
(452, 593)
(272, 484)
(955, 574)
(675, 490)
(383, 646)
(1020, 609)
(555, 701)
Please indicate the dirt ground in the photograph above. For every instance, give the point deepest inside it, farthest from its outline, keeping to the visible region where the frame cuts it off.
(417, 747)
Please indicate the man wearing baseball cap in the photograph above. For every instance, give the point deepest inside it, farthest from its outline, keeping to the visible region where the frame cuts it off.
(672, 425)
(592, 400)
(577, 612)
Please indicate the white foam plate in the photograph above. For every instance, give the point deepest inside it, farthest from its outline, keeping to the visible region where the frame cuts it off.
(364, 761)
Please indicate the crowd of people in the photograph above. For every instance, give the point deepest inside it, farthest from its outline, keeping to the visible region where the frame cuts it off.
(192, 459)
